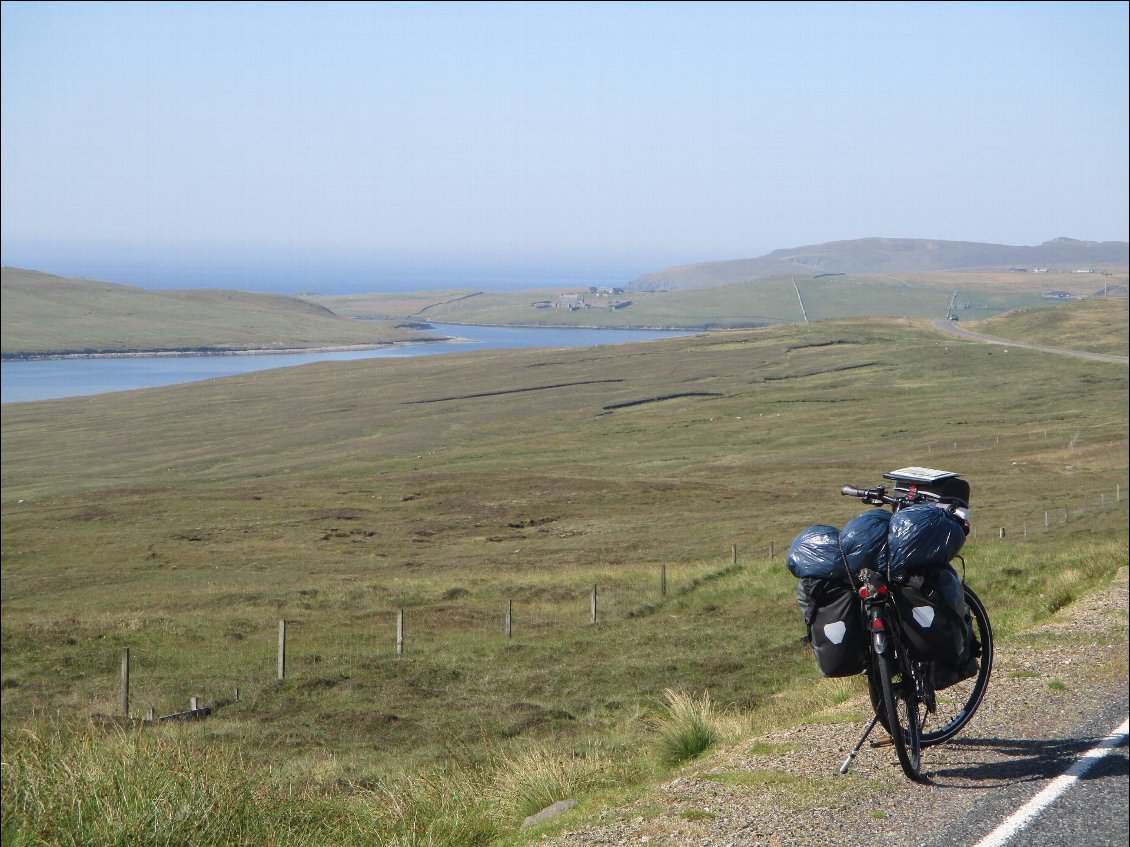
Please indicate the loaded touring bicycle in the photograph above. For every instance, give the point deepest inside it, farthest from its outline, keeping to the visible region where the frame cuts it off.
(881, 597)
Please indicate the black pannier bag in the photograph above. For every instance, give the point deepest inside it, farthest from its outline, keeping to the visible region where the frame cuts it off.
(834, 622)
(935, 620)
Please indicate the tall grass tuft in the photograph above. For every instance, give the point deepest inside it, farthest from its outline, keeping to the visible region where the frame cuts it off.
(688, 728)
(441, 807)
(532, 779)
(79, 784)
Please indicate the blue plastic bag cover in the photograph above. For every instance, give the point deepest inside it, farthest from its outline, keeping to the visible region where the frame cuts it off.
(864, 541)
(922, 536)
(816, 553)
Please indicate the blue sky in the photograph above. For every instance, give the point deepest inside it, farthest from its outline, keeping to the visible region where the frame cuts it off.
(368, 144)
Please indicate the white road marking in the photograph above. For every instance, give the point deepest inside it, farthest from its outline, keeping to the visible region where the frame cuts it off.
(1020, 818)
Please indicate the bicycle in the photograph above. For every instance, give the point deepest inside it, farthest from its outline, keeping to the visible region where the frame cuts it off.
(916, 706)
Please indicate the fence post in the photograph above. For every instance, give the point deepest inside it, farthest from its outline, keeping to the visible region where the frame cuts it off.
(733, 555)
(663, 580)
(399, 632)
(125, 683)
(770, 549)
(193, 703)
(509, 621)
(593, 604)
(282, 650)
(1002, 532)
(1047, 519)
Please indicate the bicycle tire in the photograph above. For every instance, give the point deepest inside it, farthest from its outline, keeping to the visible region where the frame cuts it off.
(957, 704)
(904, 712)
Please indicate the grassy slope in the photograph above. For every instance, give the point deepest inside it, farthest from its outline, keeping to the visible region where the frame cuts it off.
(44, 313)
(758, 302)
(184, 522)
(1080, 326)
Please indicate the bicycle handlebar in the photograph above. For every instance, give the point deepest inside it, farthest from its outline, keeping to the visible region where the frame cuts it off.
(877, 496)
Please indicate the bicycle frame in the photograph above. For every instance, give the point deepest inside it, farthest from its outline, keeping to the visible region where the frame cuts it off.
(902, 688)
(903, 685)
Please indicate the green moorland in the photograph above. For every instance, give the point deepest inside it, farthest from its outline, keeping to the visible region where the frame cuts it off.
(1081, 326)
(184, 523)
(973, 296)
(41, 313)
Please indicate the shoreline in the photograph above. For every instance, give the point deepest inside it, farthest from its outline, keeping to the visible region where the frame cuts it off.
(203, 352)
(59, 355)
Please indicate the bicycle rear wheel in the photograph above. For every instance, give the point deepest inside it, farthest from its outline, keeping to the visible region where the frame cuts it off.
(957, 703)
(904, 713)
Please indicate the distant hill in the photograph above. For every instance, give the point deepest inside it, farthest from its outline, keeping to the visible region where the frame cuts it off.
(41, 313)
(892, 255)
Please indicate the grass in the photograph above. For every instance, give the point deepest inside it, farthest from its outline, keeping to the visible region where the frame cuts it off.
(1082, 326)
(40, 313)
(688, 727)
(184, 522)
(976, 294)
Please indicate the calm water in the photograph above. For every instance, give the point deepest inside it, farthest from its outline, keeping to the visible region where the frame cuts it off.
(22, 382)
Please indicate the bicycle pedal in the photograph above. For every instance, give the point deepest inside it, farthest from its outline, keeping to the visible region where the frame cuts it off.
(885, 741)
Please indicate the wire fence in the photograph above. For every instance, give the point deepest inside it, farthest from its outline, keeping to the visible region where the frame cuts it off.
(303, 650)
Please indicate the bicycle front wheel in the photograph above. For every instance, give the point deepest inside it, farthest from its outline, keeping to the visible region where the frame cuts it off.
(957, 703)
(904, 713)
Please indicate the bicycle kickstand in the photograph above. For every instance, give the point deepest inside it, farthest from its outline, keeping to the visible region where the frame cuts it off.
(855, 750)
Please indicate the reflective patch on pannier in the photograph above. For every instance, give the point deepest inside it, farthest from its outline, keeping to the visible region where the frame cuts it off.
(834, 622)
(924, 615)
(835, 631)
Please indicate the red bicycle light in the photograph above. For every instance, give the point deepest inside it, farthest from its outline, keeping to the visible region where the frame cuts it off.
(882, 590)
(863, 592)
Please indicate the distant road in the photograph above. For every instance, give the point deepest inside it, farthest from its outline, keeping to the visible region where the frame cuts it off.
(953, 329)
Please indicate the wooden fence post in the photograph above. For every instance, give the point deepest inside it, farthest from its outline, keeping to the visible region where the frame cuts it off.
(125, 683)
(399, 632)
(733, 555)
(509, 620)
(663, 580)
(593, 604)
(282, 650)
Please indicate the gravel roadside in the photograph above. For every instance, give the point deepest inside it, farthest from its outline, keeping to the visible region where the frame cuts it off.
(784, 790)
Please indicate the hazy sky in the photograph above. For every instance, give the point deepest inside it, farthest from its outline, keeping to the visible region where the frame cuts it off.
(549, 139)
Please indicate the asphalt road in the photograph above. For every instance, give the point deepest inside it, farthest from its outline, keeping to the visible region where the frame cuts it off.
(1092, 812)
(952, 328)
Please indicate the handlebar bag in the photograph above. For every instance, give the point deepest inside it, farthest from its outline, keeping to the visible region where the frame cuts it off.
(863, 541)
(931, 608)
(815, 552)
(833, 620)
(921, 536)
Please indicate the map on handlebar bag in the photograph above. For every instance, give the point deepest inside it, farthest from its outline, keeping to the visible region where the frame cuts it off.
(916, 474)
